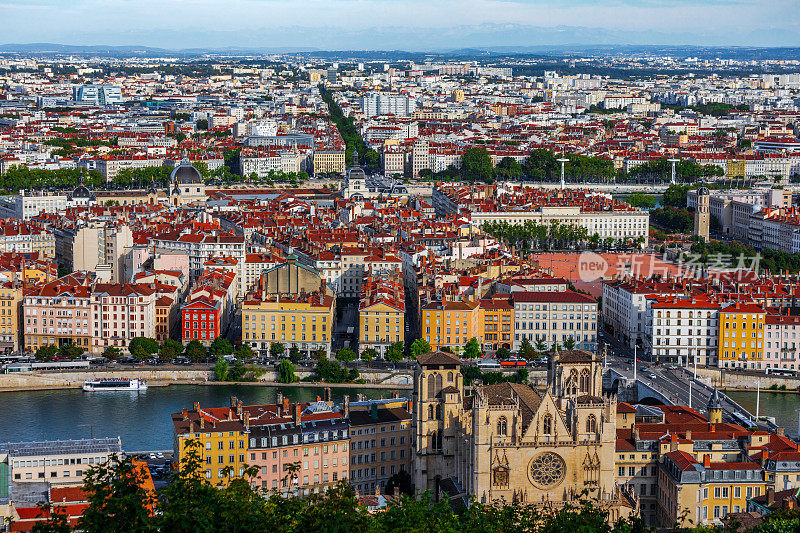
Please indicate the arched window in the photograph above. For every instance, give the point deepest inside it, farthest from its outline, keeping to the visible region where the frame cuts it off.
(438, 382)
(430, 412)
(547, 424)
(431, 386)
(584, 384)
(572, 387)
(591, 424)
(433, 440)
(502, 426)
(449, 377)
(438, 411)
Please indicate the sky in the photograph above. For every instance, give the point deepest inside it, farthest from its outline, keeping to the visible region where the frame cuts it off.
(407, 24)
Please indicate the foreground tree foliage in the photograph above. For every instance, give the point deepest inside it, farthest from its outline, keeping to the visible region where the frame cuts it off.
(188, 504)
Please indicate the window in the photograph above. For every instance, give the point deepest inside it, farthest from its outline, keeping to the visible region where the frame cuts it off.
(547, 424)
(502, 426)
(591, 424)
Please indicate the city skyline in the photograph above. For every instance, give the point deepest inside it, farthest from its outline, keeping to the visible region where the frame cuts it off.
(389, 24)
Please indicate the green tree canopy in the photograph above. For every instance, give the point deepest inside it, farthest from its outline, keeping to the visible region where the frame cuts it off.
(276, 349)
(472, 350)
(286, 372)
(345, 355)
(220, 346)
(420, 346)
(395, 352)
(195, 351)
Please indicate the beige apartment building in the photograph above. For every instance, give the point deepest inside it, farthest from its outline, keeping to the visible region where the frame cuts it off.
(61, 462)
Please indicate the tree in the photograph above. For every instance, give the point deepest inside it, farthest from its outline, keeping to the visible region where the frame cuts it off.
(319, 354)
(195, 351)
(294, 354)
(111, 353)
(286, 372)
(220, 346)
(46, 353)
(331, 371)
(345, 355)
(368, 355)
(476, 164)
(142, 347)
(244, 352)
(170, 349)
(526, 351)
(400, 481)
(276, 349)
(419, 347)
(221, 369)
(395, 352)
(70, 351)
(472, 349)
(118, 502)
(508, 168)
(503, 353)
(569, 344)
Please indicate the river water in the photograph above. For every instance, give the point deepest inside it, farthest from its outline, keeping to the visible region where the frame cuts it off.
(783, 406)
(141, 419)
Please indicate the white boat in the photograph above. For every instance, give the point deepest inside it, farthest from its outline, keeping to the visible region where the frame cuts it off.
(99, 385)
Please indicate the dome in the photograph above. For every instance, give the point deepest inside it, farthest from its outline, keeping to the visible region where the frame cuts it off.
(82, 191)
(703, 191)
(185, 173)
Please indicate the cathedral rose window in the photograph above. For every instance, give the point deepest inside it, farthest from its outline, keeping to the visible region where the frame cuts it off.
(547, 470)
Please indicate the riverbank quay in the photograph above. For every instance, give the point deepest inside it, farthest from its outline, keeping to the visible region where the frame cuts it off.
(22, 381)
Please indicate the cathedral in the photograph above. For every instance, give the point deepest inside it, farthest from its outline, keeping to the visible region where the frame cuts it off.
(506, 442)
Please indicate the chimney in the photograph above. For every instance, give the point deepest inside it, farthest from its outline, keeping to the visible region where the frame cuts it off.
(298, 410)
(202, 422)
(707, 461)
(347, 406)
(327, 394)
(233, 402)
(196, 406)
(781, 432)
(246, 419)
(285, 411)
(688, 434)
(770, 495)
(279, 401)
(239, 409)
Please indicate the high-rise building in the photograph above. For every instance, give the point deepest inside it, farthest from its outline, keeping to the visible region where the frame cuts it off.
(400, 105)
(97, 94)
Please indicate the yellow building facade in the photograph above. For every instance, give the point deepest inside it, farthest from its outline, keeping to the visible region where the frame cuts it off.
(451, 324)
(741, 336)
(10, 301)
(497, 324)
(329, 162)
(303, 321)
(705, 492)
(223, 443)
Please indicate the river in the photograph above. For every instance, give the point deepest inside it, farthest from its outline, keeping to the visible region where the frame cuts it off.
(141, 419)
(783, 406)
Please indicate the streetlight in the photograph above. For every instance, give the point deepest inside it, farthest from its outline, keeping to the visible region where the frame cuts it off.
(634, 363)
(562, 161)
(673, 161)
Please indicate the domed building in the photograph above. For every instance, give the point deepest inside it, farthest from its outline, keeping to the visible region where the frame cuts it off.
(186, 185)
(81, 196)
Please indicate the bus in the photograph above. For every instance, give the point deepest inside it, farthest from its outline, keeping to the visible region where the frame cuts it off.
(781, 371)
(513, 362)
